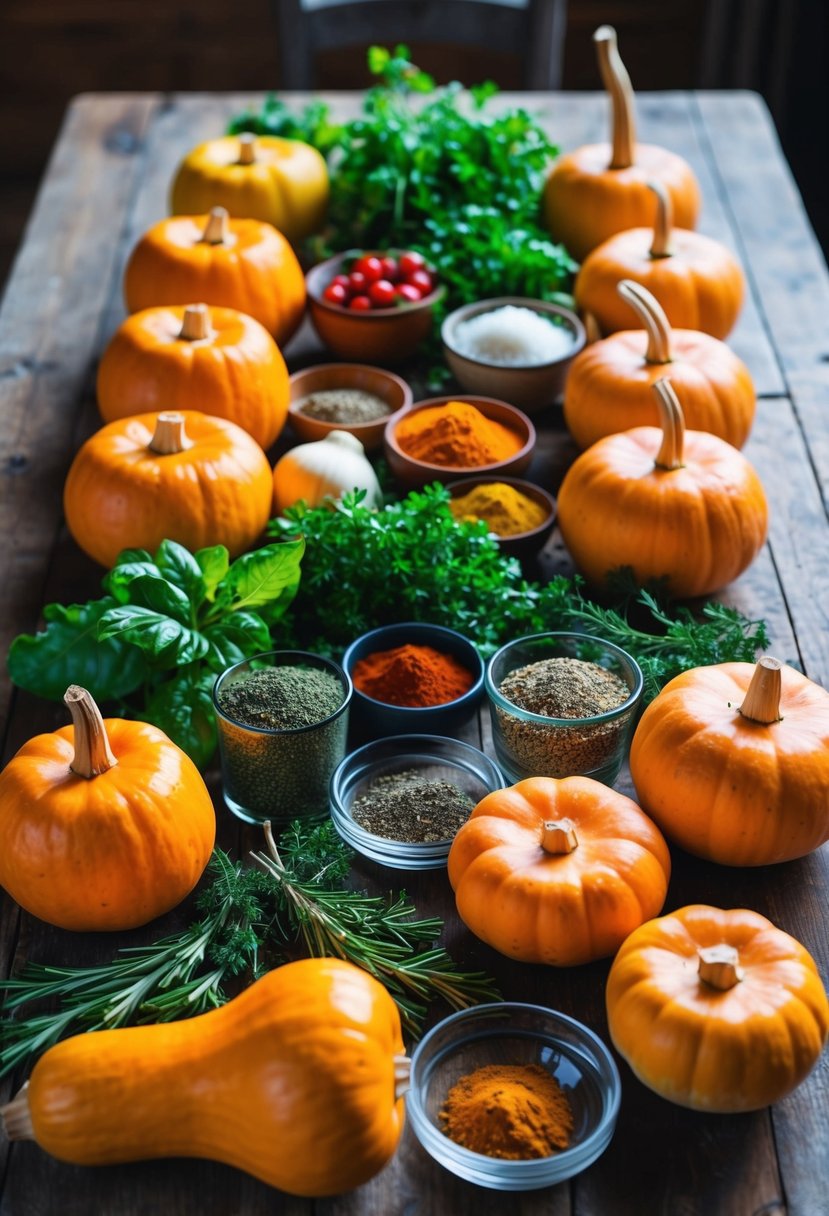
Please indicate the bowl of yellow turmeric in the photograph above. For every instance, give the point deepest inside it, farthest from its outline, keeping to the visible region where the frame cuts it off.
(519, 513)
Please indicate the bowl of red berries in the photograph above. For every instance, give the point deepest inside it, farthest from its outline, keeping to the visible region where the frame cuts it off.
(373, 307)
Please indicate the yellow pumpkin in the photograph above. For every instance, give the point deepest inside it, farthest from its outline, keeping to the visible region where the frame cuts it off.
(179, 476)
(296, 1081)
(215, 360)
(717, 1010)
(672, 504)
(103, 825)
(233, 263)
(557, 871)
(281, 181)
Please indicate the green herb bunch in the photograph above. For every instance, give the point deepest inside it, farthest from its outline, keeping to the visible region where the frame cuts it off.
(165, 628)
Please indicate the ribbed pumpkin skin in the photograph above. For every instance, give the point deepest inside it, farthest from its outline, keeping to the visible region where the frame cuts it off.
(256, 271)
(563, 909)
(701, 525)
(709, 1050)
(584, 202)
(292, 1081)
(119, 494)
(286, 186)
(107, 852)
(237, 373)
(609, 390)
(731, 790)
(700, 286)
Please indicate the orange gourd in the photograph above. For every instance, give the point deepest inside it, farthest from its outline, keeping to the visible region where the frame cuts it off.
(732, 761)
(557, 871)
(233, 263)
(179, 476)
(717, 1010)
(697, 280)
(609, 385)
(672, 504)
(216, 360)
(602, 189)
(103, 825)
(295, 1080)
(281, 181)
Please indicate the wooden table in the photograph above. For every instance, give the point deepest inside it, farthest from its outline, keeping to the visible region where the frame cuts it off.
(106, 183)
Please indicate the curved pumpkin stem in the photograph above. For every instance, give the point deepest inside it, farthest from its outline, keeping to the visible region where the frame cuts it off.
(215, 230)
(195, 324)
(762, 701)
(617, 83)
(719, 966)
(661, 243)
(402, 1073)
(247, 149)
(16, 1116)
(652, 315)
(93, 755)
(559, 836)
(672, 421)
(591, 328)
(169, 436)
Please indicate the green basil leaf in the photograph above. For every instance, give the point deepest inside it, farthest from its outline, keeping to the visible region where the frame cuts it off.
(179, 567)
(128, 556)
(68, 651)
(183, 708)
(214, 564)
(238, 636)
(119, 580)
(161, 596)
(266, 580)
(158, 635)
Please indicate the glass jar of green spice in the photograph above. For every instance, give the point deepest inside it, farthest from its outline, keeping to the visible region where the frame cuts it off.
(283, 721)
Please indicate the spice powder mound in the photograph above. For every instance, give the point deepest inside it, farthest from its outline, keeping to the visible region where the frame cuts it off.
(514, 1111)
(407, 807)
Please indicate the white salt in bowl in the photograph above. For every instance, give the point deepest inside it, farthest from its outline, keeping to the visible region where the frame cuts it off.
(530, 384)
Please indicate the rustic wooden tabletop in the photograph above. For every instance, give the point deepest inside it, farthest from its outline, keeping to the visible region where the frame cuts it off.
(106, 183)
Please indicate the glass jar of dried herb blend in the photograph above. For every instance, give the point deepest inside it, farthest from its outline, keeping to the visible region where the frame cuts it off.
(562, 705)
(283, 721)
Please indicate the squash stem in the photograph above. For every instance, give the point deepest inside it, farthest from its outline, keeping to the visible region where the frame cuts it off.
(662, 229)
(672, 421)
(719, 966)
(16, 1116)
(169, 437)
(247, 149)
(93, 755)
(402, 1075)
(652, 315)
(591, 328)
(559, 836)
(617, 83)
(195, 324)
(215, 230)
(762, 701)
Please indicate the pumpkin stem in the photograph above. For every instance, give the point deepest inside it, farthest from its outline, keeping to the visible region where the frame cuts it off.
(672, 421)
(169, 437)
(215, 230)
(762, 702)
(661, 243)
(591, 328)
(652, 315)
(617, 83)
(93, 755)
(247, 148)
(195, 324)
(402, 1072)
(719, 966)
(16, 1116)
(559, 836)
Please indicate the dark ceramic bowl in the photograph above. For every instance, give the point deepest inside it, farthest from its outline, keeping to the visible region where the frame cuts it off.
(394, 391)
(520, 544)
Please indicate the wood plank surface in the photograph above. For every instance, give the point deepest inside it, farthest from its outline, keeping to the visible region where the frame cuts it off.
(63, 303)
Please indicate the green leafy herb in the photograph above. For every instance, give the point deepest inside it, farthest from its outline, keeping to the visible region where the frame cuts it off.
(245, 914)
(166, 627)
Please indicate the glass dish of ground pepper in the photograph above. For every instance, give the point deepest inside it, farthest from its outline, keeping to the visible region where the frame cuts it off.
(399, 801)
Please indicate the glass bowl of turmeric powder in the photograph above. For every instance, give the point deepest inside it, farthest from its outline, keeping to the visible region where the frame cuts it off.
(514, 1097)
(518, 512)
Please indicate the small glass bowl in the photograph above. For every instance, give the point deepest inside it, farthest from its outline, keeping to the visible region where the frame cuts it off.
(534, 745)
(435, 758)
(514, 1033)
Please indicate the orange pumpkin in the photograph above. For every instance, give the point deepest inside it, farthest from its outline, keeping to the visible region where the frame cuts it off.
(602, 189)
(697, 280)
(732, 761)
(216, 360)
(609, 385)
(241, 263)
(103, 825)
(281, 181)
(717, 1010)
(686, 506)
(557, 871)
(177, 476)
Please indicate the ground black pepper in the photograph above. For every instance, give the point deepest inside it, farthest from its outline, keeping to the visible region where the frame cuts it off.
(564, 688)
(404, 806)
(282, 698)
(347, 405)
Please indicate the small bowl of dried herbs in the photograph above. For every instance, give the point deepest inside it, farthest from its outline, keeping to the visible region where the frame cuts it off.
(400, 801)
